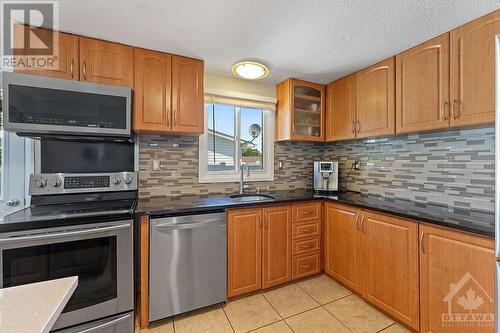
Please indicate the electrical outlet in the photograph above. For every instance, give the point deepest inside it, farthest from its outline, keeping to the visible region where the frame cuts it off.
(356, 165)
(156, 165)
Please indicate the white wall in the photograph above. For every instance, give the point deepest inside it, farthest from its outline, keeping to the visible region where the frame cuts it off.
(233, 87)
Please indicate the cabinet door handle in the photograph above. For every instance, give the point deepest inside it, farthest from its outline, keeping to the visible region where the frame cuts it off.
(357, 223)
(362, 224)
(175, 117)
(306, 247)
(85, 70)
(443, 111)
(353, 127)
(265, 222)
(306, 231)
(293, 129)
(453, 113)
(307, 212)
(358, 123)
(71, 68)
(421, 241)
(306, 266)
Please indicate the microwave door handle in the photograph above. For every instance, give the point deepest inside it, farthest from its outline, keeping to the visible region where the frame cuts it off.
(99, 327)
(62, 234)
(187, 225)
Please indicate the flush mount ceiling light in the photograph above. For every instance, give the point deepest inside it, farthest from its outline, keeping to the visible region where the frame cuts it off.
(250, 70)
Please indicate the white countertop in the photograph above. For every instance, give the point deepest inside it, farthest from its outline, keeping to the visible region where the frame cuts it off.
(34, 307)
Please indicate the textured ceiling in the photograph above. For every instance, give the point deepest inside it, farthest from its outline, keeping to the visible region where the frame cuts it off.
(317, 40)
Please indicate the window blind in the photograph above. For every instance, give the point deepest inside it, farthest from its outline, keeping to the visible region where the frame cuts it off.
(241, 102)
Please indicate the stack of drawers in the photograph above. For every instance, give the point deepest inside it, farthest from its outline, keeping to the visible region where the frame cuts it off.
(306, 244)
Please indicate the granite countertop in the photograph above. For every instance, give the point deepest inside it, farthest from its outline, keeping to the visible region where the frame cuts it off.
(474, 221)
(34, 307)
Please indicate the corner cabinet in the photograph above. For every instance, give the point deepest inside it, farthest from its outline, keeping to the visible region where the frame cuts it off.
(457, 281)
(342, 238)
(340, 115)
(375, 102)
(300, 111)
(422, 87)
(472, 71)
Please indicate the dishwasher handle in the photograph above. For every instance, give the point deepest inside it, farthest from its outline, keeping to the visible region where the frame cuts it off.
(177, 226)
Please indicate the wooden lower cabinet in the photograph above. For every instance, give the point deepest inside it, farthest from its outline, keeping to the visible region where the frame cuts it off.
(342, 251)
(276, 246)
(456, 282)
(262, 252)
(390, 266)
(244, 228)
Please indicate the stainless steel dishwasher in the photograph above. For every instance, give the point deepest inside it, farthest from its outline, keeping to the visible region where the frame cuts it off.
(188, 265)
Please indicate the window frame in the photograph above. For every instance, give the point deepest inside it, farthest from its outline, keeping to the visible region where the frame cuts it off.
(267, 172)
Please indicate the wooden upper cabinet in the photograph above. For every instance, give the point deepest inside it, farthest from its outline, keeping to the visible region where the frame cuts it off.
(187, 95)
(300, 111)
(390, 277)
(340, 115)
(244, 251)
(277, 246)
(152, 91)
(472, 71)
(457, 280)
(106, 62)
(375, 102)
(66, 64)
(422, 87)
(342, 251)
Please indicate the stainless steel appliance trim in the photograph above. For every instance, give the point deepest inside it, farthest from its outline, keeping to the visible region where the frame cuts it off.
(66, 85)
(123, 323)
(497, 150)
(124, 252)
(187, 253)
(62, 234)
(107, 324)
(48, 189)
(185, 225)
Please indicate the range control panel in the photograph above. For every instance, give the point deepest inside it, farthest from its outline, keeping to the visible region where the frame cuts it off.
(86, 182)
(64, 183)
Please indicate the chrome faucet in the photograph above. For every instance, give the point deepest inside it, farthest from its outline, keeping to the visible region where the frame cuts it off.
(243, 166)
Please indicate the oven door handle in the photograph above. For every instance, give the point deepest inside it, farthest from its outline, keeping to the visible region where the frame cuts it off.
(45, 236)
(106, 324)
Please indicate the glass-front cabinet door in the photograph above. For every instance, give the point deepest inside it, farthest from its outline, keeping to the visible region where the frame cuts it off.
(300, 111)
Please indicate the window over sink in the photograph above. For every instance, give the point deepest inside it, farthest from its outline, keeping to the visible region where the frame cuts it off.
(236, 132)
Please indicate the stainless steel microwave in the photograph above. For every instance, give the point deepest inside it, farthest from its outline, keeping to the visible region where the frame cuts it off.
(42, 106)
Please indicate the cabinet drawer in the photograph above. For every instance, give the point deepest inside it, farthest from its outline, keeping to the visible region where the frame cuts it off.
(306, 245)
(306, 211)
(305, 229)
(305, 265)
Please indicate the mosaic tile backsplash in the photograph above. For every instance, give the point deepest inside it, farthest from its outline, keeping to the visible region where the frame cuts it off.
(453, 168)
(178, 156)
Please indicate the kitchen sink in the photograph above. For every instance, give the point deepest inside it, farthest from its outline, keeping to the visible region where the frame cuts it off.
(252, 196)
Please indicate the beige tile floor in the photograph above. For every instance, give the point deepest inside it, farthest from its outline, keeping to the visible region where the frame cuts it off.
(315, 305)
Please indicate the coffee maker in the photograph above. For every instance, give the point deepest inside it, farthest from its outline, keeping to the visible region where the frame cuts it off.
(326, 177)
